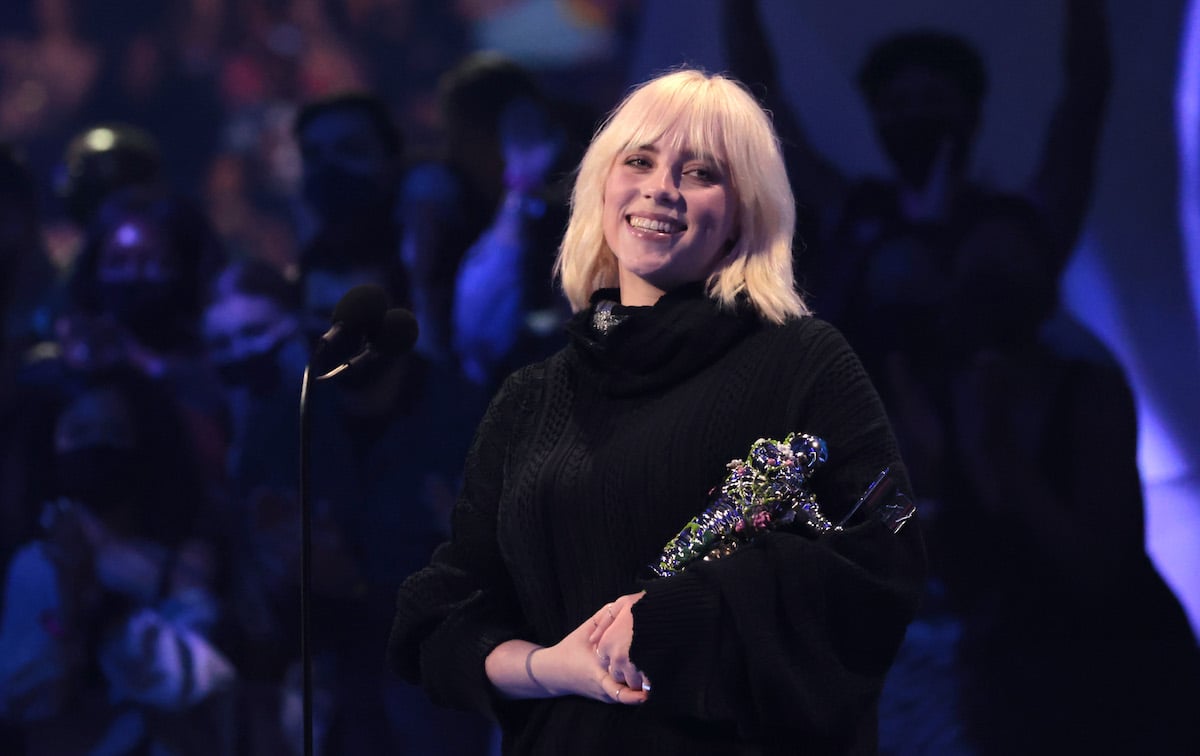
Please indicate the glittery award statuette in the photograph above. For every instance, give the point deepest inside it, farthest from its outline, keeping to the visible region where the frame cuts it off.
(767, 490)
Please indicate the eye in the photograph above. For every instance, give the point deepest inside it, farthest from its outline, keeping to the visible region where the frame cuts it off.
(704, 173)
(637, 161)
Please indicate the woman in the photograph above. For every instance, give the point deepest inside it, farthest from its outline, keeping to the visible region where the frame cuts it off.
(689, 343)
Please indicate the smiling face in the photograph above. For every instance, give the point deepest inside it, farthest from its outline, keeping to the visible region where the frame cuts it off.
(669, 217)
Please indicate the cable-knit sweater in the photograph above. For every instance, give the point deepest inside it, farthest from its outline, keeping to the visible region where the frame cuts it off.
(582, 469)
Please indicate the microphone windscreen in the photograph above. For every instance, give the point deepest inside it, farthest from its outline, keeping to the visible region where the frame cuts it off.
(399, 332)
(361, 310)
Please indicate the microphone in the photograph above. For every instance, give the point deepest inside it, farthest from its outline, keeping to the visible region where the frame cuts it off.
(399, 332)
(396, 335)
(357, 319)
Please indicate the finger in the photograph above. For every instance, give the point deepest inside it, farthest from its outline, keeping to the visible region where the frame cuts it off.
(627, 696)
(601, 621)
(633, 678)
(601, 658)
(617, 672)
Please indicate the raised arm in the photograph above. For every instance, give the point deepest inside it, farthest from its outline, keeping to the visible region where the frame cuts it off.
(817, 183)
(1061, 185)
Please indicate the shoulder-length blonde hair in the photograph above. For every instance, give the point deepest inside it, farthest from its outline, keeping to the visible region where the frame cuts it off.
(711, 115)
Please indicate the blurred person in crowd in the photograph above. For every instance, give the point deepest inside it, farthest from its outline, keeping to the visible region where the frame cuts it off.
(1038, 545)
(351, 153)
(252, 329)
(494, 195)
(506, 313)
(82, 347)
(925, 91)
(102, 160)
(109, 635)
(145, 265)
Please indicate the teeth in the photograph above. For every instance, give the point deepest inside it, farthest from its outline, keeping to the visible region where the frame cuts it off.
(649, 224)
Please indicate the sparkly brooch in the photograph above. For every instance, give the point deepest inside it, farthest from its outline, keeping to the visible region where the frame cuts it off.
(603, 317)
(769, 489)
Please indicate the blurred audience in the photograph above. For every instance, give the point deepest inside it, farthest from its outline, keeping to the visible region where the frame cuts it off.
(173, 629)
(27, 276)
(110, 615)
(1005, 408)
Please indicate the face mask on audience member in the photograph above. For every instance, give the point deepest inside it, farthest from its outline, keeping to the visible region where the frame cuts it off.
(347, 170)
(919, 114)
(102, 477)
(148, 310)
(137, 275)
(337, 193)
(912, 145)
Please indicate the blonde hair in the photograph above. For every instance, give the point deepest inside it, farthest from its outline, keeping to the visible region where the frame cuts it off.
(712, 115)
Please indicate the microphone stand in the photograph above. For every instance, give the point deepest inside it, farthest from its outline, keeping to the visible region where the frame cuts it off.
(306, 563)
(306, 537)
(368, 353)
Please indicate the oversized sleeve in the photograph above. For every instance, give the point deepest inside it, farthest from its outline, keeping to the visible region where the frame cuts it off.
(451, 614)
(794, 632)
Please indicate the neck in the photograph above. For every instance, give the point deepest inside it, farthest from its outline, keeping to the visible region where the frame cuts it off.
(636, 292)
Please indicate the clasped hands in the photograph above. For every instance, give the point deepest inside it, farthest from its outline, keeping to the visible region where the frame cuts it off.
(593, 660)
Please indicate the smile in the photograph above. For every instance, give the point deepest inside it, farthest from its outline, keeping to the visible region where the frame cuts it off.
(657, 225)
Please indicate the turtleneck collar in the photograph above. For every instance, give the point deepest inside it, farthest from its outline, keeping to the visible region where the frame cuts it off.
(649, 348)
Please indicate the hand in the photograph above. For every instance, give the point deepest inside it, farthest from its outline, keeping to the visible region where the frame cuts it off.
(572, 667)
(81, 543)
(527, 164)
(611, 637)
(68, 542)
(932, 203)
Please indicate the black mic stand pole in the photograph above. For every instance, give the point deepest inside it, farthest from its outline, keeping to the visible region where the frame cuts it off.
(306, 564)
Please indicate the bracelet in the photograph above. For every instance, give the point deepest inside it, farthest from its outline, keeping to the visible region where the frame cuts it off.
(529, 667)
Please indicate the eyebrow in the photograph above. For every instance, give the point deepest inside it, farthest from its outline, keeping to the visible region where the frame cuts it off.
(687, 154)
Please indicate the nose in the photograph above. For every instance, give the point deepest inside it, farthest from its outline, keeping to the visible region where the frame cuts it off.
(662, 184)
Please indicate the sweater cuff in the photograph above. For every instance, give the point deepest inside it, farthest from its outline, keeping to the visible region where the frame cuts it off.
(675, 638)
(452, 661)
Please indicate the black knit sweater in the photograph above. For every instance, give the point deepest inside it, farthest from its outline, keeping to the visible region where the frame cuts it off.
(582, 469)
